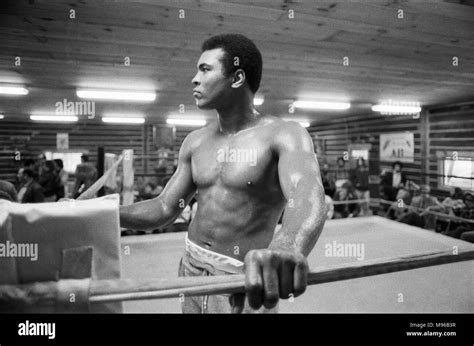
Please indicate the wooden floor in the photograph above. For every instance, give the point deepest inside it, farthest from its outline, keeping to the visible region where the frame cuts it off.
(445, 288)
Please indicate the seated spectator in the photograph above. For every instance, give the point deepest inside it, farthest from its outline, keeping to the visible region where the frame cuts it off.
(329, 184)
(348, 209)
(392, 181)
(51, 182)
(341, 172)
(86, 175)
(360, 179)
(417, 215)
(63, 177)
(30, 191)
(400, 206)
(457, 229)
(8, 191)
(153, 189)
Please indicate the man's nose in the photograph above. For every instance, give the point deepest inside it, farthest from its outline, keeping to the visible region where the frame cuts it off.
(195, 80)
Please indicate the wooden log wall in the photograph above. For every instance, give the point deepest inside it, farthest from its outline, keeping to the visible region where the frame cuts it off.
(438, 130)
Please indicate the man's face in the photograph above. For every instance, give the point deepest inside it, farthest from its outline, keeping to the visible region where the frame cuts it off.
(397, 168)
(24, 178)
(211, 87)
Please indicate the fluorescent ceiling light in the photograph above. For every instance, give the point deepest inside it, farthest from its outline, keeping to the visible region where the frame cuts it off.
(303, 123)
(54, 118)
(123, 120)
(322, 105)
(186, 122)
(258, 101)
(396, 109)
(116, 95)
(13, 90)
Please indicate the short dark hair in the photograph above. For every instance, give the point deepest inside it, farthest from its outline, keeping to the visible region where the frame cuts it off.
(29, 162)
(397, 163)
(59, 163)
(241, 47)
(29, 172)
(85, 157)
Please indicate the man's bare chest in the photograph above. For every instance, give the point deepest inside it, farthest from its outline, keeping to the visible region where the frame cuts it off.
(234, 162)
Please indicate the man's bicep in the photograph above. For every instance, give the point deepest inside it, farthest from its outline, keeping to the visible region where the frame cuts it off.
(297, 161)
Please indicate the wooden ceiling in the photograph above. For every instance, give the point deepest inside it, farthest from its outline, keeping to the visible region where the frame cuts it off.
(407, 58)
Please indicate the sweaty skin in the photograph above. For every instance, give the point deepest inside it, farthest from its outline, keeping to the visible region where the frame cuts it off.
(241, 197)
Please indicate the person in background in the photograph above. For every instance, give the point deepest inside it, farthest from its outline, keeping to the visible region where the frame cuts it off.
(423, 204)
(86, 175)
(360, 180)
(39, 164)
(28, 163)
(50, 181)
(463, 230)
(329, 184)
(400, 206)
(391, 182)
(341, 172)
(8, 191)
(30, 191)
(345, 193)
(63, 177)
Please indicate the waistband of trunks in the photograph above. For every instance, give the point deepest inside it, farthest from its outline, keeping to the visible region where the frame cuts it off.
(218, 261)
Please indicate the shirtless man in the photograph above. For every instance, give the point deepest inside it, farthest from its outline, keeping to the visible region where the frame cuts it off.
(247, 168)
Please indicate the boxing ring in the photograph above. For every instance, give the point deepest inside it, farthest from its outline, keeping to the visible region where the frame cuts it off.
(363, 264)
(443, 288)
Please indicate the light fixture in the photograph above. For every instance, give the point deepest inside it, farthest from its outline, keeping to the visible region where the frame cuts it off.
(302, 122)
(322, 105)
(186, 122)
(116, 95)
(123, 120)
(6, 90)
(258, 101)
(393, 108)
(2, 116)
(54, 118)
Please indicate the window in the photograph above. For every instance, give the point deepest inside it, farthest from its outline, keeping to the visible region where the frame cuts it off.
(458, 173)
(70, 160)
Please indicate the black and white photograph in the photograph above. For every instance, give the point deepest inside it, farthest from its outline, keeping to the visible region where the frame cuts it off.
(165, 159)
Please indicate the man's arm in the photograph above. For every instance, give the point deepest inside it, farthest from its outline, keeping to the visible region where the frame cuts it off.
(300, 180)
(282, 269)
(163, 209)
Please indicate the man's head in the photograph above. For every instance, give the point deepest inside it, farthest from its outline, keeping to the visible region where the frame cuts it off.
(425, 190)
(28, 175)
(29, 163)
(341, 162)
(397, 166)
(84, 158)
(228, 63)
(360, 162)
(59, 163)
(468, 200)
(346, 188)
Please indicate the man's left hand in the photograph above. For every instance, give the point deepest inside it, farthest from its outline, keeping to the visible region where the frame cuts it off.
(271, 275)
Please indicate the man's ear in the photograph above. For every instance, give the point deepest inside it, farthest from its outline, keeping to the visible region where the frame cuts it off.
(239, 78)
